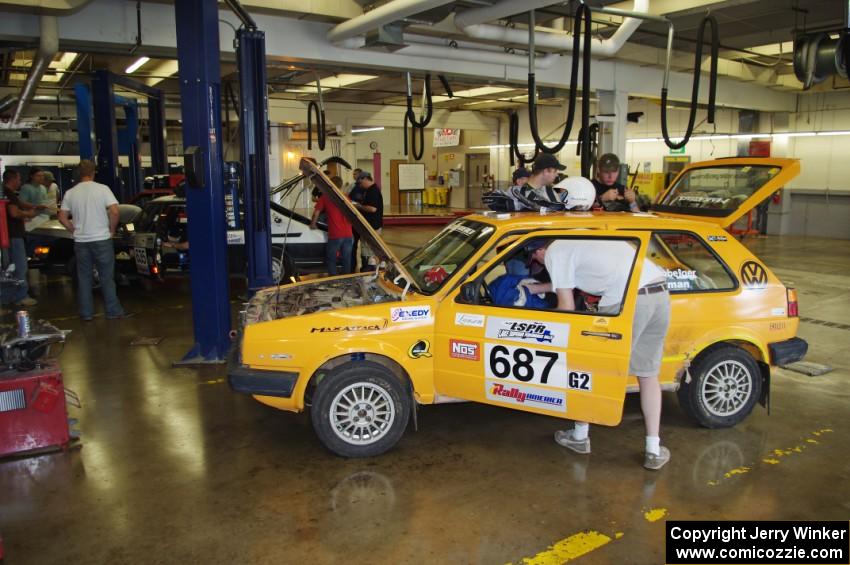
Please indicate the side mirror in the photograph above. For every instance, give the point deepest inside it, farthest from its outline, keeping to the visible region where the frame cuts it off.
(469, 293)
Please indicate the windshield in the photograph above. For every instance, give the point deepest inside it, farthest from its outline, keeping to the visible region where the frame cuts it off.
(717, 191)
(435, 262)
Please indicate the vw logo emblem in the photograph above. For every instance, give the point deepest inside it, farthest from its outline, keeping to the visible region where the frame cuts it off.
(753, 276)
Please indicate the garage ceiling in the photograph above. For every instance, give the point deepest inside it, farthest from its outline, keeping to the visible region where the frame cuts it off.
(755, 32)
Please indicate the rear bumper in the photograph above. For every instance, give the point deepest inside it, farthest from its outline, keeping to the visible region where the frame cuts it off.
(256, 382)
(786, 352)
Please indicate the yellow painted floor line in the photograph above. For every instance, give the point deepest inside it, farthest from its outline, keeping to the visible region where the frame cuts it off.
(570, 548)
(775, 457)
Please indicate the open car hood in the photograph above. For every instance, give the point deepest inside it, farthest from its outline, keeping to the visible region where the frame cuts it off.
(367, 235)
(723, 190)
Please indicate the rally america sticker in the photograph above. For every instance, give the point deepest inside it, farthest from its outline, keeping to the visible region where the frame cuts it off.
(411, 314)
(522, 396)
(528, 331)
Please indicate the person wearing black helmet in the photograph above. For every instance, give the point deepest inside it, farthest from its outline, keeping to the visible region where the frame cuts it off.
(611, 195)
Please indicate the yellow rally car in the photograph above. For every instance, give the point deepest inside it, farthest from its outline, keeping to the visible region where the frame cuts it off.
(449, 322)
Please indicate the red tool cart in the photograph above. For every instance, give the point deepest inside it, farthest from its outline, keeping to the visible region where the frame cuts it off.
(33, 412)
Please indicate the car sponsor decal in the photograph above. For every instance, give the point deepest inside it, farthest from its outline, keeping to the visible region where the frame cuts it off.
(681, 279)
(421, 348)
(469, 320)
(753, 276)
(377, 326)
(717, 238)
(579, 380)
(777, 312)
(526, 396)
(528, 331)
(468, 350)
(520, 364)
(777, 326)
(280, 356)
(411, 314)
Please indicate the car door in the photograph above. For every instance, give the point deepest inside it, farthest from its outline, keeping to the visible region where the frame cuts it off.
(567, 364)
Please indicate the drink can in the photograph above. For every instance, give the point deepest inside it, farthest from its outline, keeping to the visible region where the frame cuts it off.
(23, 318)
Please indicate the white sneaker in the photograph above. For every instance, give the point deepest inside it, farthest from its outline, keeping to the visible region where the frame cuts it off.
(28, 301)
(655, 462)
(565, 438)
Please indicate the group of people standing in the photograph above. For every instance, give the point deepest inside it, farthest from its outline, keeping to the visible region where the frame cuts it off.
(88, 210)
(539, 184)
(365, 195)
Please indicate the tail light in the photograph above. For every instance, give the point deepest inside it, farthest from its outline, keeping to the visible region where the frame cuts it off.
(155, 270)
(42, 250)
(793, 308)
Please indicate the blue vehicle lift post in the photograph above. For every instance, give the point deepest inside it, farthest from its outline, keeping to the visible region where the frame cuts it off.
(253, 122)
(112, 142)
(200, 93)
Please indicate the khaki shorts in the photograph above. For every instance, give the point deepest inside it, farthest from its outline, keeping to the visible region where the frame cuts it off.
(649, 328)
(366, 251)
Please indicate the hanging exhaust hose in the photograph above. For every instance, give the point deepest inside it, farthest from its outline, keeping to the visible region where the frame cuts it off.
(513, 140)
(582, 17)
(320, 125)
(712, 86)
(418, 126)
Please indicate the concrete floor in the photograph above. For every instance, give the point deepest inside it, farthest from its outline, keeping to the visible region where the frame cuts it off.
(176, 468)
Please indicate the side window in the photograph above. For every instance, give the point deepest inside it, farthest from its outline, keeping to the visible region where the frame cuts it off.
(691, 266)
(595, 270)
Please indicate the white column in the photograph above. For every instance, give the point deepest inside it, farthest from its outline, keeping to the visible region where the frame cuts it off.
(612, 109)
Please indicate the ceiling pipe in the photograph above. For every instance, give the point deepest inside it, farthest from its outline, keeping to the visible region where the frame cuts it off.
(386, 14)
(475, 55)
(469, 25)
(48, 46)
(499, 11)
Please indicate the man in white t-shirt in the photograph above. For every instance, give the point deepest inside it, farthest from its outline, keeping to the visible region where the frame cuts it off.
(602, 268)
(90, 212)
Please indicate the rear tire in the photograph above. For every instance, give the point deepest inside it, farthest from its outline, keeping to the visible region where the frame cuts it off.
(725, 385)
(360, 409)
(279, 258)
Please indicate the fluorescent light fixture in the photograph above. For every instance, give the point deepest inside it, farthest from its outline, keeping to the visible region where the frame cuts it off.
(135, 66)
(165, 69)
(364, 130)
(695, 138)
(341, 80)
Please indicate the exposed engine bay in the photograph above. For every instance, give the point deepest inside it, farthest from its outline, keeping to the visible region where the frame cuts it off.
(287, 301)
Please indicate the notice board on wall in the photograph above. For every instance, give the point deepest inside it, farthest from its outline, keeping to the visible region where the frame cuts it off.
(411, 176)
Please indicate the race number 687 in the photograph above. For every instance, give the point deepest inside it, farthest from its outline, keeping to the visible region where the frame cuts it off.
(522, 364)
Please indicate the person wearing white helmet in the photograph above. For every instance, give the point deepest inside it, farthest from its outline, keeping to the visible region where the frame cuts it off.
(602, 268)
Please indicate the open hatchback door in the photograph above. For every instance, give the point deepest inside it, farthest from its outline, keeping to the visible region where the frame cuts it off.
(723, 190)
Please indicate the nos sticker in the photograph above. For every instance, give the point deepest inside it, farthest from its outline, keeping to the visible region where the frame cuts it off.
(469, 320)
(411, 314)
(468, 350)
(526, 396)
(519, 364)
(528, 331)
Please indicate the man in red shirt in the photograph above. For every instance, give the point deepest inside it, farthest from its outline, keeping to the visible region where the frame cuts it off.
(340, 238)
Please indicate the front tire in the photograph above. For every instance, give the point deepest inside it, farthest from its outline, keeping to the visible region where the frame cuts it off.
(360, 409)
(725, 386)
